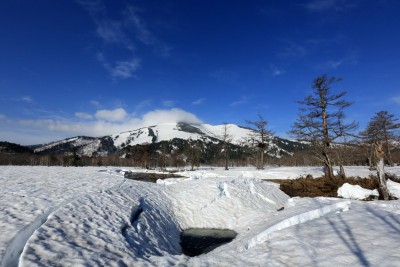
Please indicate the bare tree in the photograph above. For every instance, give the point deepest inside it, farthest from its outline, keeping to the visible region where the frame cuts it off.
(226, 139)
(193, 151)
(261, 134)
(321, 120)
(382, 128)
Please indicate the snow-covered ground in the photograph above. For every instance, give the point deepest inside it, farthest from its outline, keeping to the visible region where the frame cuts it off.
(86, 217)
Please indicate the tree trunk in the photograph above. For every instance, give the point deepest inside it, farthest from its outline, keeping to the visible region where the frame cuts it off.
(328, 169)
(390, 161)
(383, 191)
(342, 172)
(226, 158)
(192, 166)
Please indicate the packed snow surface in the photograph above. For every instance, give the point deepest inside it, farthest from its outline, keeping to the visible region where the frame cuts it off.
(94, 217)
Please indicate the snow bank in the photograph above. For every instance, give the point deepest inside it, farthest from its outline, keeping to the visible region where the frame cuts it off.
(355, 192)
(105, 219)
(393, 188)
(299, 218)
(223, 203)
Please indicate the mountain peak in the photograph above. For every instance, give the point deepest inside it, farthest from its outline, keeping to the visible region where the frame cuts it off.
(166, 131)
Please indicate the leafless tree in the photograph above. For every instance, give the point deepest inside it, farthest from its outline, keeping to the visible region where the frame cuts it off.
(193, 152)
(226, 139)
(382, 128)
(259, 138)
(321, 120)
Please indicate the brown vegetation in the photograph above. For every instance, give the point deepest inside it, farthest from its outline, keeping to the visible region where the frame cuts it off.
(326, 187)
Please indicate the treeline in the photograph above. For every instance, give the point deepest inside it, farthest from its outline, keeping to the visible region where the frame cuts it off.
(146, 156)
(174, 153)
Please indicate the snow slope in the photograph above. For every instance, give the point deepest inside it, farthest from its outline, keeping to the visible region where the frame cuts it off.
(206, 133)
(92, 217)
(169, 131)
(30, 194)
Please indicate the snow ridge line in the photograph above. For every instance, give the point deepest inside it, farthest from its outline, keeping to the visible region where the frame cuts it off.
(17, 245)
(294, 220)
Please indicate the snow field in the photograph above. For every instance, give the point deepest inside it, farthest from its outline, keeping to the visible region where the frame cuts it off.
(30, 194)
(92, 222)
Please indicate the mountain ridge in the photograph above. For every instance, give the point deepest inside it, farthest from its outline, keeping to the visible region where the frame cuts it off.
(206, 134)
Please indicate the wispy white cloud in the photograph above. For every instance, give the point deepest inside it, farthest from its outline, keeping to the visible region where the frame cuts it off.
(275, 71)
(104, 122)
(121, 69)
(83, 115)
(2, 117)
(292, 49)
(111, 32)
(118, 31)
(243, 100)
(330, 5)
(168, 103)
(26, 99)
(334, 64)
(94, 7)
(396, 99)
(143, 104)
(124, 69)
(30, 72)
(317, 42)
(134, 21)
(226, 76)
(95, 103)
(199, 101)
(114, 115)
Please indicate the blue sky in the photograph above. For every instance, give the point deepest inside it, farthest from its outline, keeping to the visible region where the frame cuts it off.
(88, 67)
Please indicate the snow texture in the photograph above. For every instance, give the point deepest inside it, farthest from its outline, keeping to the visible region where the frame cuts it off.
(94, 217)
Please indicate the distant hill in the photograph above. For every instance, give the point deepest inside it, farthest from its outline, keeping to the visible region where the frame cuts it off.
(11, 148)
(172, 136)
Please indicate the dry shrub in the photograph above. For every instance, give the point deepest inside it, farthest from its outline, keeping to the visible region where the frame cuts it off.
(322, 187)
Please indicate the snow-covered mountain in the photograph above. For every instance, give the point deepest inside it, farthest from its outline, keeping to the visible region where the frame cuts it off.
(185, 131)
(206, 133)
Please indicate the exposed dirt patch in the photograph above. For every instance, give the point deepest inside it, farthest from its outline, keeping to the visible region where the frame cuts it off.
(150, 177)
(321, 187)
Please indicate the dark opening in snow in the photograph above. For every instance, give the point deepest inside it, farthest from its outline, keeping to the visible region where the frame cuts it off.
(197, 241)
(149, 177)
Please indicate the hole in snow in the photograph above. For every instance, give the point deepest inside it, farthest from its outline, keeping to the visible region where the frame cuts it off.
(134, 217)
(197, 241)
(149, 177)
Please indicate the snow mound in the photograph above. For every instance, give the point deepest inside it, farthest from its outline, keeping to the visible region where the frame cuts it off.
(294, 220)
(140, 224)
(355, 192)
(223, 203)
(394, 188)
